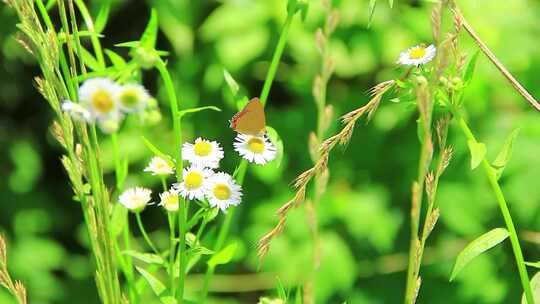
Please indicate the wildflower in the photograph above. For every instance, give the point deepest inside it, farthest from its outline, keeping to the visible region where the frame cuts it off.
(169, 200)
(98, 95)
(76, 111)
(256, 149)
(135, 199)
(194, 182)
(417, 55)
(159, 166)
(222, 191)
(132, 97)
(110, 124)
(203, 152)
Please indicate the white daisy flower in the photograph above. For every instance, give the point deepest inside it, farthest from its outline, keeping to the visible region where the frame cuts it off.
(132, 97)
(98, 95)
(194, 182)
(203, 152)
(159, 166)
(222, 191)
(135, 199)
(255, 149)
(417, 55)
(169, 200)
(76, 111)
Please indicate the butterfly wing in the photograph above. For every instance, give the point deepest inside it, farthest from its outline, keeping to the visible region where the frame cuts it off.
(251, 120)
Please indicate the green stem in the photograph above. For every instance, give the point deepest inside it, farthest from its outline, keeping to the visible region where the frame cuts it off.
(117, 164)
(93, 38)
(276, 58)
(172, 220)
(516, 248)
(144, 234)
(182, 214)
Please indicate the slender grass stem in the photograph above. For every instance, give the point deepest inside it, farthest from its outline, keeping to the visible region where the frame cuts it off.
(144, 234)
(172, 220)
(494, 183)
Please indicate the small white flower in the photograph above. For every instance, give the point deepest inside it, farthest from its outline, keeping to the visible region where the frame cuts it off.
(132, 97)
(222, 191)
(159, 166)
(135, 199)
(194, 182)
(169, 200)
(417, 55)
(76, 111)
(110, 124)
(98, 95)
(203, 152)
(256, 149)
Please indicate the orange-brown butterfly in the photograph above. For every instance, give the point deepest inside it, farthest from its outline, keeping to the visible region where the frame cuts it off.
(251, 120)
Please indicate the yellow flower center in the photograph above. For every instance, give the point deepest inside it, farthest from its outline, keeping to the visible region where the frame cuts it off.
(193, 180)
(222, 192)
(102, 101)
(129, 98)
(171, 201)
(202, 148)
(256, 145)
(417, 53)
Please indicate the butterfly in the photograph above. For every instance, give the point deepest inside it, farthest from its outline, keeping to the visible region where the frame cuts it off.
(251, 120)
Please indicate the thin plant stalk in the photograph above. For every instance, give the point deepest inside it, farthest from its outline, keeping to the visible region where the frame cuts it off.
(145, 234)
(494, 183)
(242, 167)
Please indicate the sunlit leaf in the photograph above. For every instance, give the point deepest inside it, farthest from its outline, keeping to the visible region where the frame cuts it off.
(103, 16)
(391, 3)
(224, 256)
(505, 154)
(148, 258)
(116, 59)
(533, 264)
(233, 85)
(154, 283)
(371, 10)
(478, 152)
(535, 286)
(149, 37)
(483, 243)
(89, 60)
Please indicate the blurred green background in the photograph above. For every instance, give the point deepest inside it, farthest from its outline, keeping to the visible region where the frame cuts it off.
(363, 217)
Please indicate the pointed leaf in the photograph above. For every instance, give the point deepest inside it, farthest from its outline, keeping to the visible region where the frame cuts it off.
(535, 286)
(233, 85)
(533, 264)
(154, 283)
(129, 44)
(391, 3)
(505, 154)
(194, 110)
(148, 258)
(371, 10)
(224, 256)
(469, 69)
(89, 60)
(116, 59)
(156, 151)
(478, 152)
(103, 16)
(149, 37)
(483, 243)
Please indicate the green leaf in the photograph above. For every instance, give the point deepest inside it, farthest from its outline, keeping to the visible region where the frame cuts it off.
(118, 219)
(535, 286)
(129, 44)
(276, 140)
(224, 256)
(391, 3)
(156, 151)
(103, 16)
(483, 243)
(199, 250)
(371, 10)
(194, 110)
(116, 59)
(478, 152)
(505, 154)
(469, 69)
(168, 300)
(89, 60)
(149, 37)
(233, 85)
(148, 258)
(533, 264)
(154, 283)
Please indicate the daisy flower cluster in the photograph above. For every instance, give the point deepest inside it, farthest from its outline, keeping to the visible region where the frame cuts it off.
(105, 102)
